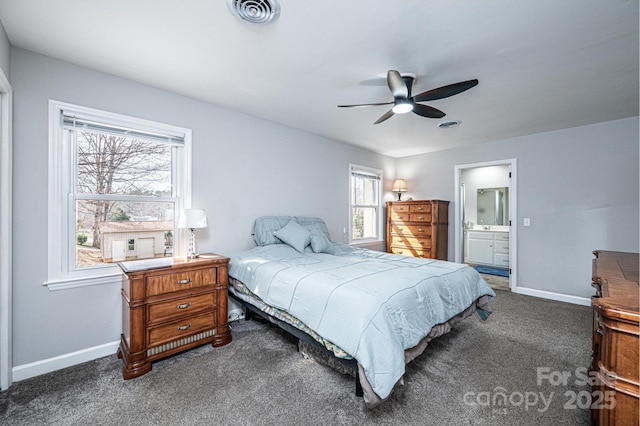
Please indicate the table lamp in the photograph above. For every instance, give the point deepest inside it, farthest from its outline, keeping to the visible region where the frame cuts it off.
(399, 186)
(192, 219)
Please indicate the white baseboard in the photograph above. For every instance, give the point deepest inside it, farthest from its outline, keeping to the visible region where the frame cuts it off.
(26, 371)
(576, 300)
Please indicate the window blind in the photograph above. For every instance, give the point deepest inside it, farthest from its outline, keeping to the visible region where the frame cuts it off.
(74, 122)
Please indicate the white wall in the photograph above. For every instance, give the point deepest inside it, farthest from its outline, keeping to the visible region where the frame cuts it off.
(243, 167)
(5, 53)
(579, 186)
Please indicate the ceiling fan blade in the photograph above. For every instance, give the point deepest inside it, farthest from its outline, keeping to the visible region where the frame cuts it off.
(427, 111)
(386, 116)
(445, 91)
(396, 84)
(364, 105)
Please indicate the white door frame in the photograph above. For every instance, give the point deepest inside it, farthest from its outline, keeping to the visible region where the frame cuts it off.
(6, 162)
(513, 258)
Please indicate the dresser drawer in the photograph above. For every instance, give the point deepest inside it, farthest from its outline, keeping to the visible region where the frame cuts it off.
(408, 251)
(417, 243)
(400, 208)
(623, 337)
(420, 208)
(161, 312)
(420, 217)
(181, 328)
(399, 216)
(417, 231)
(161, 284)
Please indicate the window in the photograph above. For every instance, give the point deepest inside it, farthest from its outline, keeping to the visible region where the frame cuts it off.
(364, 202)
(116, 185)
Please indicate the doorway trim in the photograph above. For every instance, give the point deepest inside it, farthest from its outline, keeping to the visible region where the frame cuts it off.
(458, 214)
(6, 164)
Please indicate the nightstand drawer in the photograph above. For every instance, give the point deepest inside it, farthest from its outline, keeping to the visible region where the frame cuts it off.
(162, 284)
(417, 231)
(178, 329)
(166, 311)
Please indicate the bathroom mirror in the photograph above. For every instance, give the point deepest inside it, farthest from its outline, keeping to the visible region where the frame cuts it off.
(493, 206)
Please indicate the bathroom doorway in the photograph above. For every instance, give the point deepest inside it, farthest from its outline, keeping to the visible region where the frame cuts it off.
(485, 219)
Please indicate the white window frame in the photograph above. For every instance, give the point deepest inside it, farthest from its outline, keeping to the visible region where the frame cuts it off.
(372, 171)
(61, 273)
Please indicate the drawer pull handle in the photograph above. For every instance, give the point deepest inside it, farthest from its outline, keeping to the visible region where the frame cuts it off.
(184, 327)
(598, 325)
(399, 217)
(187, 281)
(420, 230)
(184, 306)
(419, 208)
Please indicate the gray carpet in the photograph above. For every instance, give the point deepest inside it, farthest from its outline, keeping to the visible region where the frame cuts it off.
(260, 378)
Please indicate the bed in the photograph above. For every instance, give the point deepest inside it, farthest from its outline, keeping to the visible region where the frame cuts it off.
(372, 311)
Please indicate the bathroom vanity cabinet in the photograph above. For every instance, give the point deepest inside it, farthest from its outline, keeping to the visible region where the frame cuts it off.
(489, 248)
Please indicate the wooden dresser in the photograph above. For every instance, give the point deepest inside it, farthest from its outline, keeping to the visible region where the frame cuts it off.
(615, 355)
(418, 228)
(169, 309)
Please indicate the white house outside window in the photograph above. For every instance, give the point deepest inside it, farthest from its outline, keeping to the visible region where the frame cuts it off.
(365, 189)
(116, 183)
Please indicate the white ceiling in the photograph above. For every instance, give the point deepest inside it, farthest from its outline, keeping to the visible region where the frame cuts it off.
(542, 64)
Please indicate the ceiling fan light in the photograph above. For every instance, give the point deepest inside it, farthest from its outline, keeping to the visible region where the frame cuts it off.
(402, 107)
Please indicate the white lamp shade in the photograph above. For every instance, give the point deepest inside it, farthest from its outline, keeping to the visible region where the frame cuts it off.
(192, 218)
(399, 185)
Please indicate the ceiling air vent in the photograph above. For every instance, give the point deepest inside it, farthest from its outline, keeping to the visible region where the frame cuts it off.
(449, 124)
(255, 11)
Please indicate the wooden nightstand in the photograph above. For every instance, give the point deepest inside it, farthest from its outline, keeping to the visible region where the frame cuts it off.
(169, 308)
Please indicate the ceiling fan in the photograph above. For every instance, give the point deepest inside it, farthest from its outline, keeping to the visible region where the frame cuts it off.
(403, 102)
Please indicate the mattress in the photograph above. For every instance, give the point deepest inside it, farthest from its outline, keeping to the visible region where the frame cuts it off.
(370, 305)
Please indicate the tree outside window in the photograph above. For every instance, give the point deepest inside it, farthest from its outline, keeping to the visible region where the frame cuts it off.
(113, 173)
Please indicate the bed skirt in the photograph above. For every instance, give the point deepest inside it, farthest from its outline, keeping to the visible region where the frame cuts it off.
(332, 356)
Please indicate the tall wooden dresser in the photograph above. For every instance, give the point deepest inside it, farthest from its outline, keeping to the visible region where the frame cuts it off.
(418, 228)
(615, 356)
(172, 308)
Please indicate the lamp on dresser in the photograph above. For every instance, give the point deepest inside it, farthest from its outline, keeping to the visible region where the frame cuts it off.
(399, 186)
(192, 219)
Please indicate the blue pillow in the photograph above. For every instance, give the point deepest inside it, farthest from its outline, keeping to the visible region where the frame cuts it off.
(294, 235)
(320, 244)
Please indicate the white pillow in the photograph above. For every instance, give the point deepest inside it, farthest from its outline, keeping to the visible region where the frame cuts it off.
(294, 235)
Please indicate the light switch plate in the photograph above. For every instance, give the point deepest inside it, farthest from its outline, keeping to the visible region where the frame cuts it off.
(527, 221)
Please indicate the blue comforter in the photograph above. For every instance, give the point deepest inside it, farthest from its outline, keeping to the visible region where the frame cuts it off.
(373, 305)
